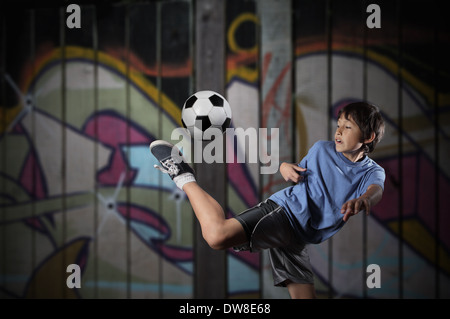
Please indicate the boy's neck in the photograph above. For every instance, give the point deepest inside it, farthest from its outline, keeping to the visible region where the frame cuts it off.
(354, 156)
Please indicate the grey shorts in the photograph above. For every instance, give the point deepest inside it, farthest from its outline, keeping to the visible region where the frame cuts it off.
(268, 227)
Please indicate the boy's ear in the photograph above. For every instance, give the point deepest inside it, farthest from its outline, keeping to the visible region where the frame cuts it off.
(369, 140)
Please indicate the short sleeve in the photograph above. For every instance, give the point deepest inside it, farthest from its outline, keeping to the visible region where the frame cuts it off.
(375, 176)
(304, 162)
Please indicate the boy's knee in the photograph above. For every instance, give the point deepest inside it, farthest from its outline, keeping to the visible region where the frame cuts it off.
(216, 241)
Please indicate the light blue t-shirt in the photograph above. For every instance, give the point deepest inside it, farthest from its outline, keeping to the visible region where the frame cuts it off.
(314, 204)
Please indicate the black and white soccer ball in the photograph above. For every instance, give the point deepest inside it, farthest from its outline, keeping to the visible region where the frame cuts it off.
(204, 111)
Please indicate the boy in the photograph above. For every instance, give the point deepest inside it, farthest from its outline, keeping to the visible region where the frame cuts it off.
(333, 182)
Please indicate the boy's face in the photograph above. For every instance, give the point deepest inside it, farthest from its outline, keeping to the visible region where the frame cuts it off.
(348, 138)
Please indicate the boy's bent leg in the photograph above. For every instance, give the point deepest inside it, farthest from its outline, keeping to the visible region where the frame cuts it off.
(301, 291)
(218, 231)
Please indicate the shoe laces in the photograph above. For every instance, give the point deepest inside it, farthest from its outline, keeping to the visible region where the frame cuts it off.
(170, 167)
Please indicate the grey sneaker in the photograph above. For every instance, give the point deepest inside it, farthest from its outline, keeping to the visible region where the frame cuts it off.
(172, 162)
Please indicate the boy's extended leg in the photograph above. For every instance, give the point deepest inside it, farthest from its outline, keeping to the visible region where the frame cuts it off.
(219, 232)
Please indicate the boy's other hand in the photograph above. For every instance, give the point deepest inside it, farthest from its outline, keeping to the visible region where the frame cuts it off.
(354, 206)
(365, 202)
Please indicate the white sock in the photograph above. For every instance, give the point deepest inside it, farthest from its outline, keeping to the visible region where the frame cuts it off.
(184, 179)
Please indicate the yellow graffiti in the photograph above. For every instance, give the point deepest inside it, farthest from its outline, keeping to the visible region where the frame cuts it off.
(427, 90)
(423, 241)
(234, 46)
(441, 99)
(73, 52)
(49, 280)
(237, 64)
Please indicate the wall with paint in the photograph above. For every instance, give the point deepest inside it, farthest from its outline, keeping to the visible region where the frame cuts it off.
(79, 107)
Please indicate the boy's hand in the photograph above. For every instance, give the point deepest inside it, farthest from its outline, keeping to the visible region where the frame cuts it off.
(370, 198)
(290, 172)
(354, 206)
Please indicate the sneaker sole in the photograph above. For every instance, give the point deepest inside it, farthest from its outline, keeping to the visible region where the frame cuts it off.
(160, 142)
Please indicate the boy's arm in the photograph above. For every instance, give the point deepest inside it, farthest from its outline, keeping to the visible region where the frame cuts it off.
(369, 199)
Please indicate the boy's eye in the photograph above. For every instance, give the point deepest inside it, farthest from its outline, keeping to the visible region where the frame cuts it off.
(347, 127)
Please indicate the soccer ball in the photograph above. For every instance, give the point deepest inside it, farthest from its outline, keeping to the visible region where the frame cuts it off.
(203, 111)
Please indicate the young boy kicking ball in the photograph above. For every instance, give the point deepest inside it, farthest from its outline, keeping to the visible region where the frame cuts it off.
(333, 182)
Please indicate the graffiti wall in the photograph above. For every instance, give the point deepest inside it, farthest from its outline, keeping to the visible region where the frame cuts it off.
(80, 106)
(78, 186)
(79, 110)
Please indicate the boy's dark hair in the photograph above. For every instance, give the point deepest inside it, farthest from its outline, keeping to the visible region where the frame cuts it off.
(369, 119)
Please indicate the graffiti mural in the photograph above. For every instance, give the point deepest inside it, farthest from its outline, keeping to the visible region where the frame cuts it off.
(78, 183)
(79, 108)
(108, 175)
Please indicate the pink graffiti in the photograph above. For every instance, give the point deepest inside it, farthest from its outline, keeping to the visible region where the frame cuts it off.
(114, 131)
